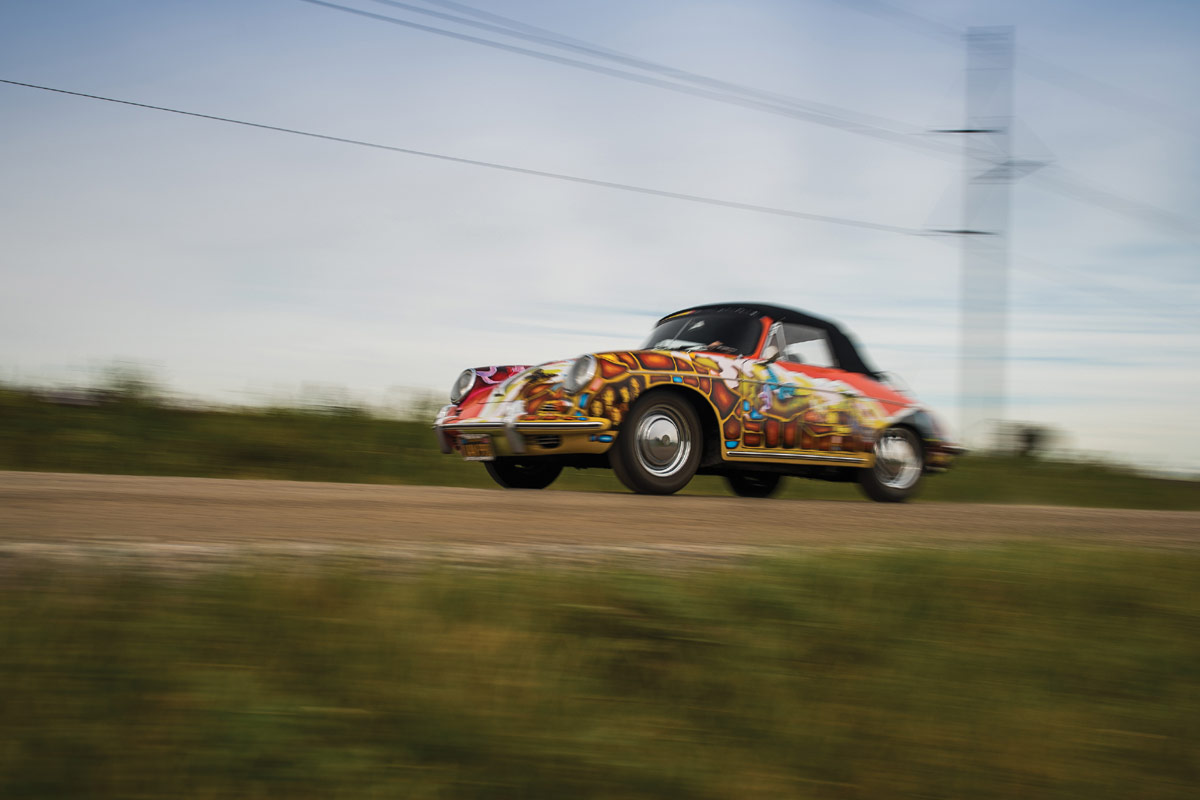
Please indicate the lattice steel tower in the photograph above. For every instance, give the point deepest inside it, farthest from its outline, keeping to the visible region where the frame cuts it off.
(986, 210)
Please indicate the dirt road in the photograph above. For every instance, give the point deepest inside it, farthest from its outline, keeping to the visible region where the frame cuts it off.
(79, 516)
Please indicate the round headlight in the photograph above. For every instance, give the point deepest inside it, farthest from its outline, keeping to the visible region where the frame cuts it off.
(461, 386)
(579, 374)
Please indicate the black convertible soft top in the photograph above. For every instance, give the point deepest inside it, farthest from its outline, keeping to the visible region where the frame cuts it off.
(844, 348)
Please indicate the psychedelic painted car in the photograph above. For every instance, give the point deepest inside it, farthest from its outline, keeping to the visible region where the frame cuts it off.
(748, 391)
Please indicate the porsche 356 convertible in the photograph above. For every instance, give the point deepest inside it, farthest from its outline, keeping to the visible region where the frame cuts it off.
(748, 391)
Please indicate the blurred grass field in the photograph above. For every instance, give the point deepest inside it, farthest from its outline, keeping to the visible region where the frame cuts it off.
(1010, 672)
(134, 435)
(983, 673)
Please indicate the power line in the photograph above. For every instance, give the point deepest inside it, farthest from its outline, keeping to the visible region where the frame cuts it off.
(514, 28)
(712, 201)
(516, 25)
(1041, 267)
(697, 85)
(1037, 66)
(749, 97)
(1060, 180)
(1106, 93)
(1068, 184)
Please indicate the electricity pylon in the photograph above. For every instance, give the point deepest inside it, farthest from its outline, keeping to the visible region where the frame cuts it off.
(990, 171)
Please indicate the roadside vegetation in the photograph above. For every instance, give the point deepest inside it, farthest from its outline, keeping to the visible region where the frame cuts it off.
(125, 428)
(1014, 672)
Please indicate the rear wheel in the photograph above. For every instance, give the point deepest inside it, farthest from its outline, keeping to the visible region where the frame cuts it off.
(659, 446)
(754, 484)
(899, 464)
(517, 473)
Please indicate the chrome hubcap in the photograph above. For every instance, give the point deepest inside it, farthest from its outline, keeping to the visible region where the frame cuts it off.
(663, 444)
(897, 462)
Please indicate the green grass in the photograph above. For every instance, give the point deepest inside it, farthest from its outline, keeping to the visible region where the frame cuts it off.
(1020, 672)
(139, 437)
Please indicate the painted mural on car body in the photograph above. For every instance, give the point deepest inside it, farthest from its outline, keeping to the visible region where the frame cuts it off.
(784, 393)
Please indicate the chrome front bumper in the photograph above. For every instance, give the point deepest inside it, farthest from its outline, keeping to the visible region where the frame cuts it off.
(512, 428)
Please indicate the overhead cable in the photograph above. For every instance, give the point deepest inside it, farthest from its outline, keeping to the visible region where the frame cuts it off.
(712, 201)
(1042, 268)
(1069, 184)
(698, 86)
(1039, 67)
(517, 29)
(749, 97)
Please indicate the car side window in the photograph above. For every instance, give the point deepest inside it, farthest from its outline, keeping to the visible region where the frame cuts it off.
(806, 345)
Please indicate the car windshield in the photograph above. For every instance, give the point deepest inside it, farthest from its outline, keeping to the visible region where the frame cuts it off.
(723, 333)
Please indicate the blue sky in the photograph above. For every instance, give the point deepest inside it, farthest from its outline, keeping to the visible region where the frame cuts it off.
(246, 265)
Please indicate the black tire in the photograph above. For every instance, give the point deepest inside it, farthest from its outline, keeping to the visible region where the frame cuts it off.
(899, 466)
(518, 473)
(659, 445)
(754, 484)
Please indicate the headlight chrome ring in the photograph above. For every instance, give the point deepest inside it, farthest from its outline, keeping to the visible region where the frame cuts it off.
(579, 373)
(464, 384)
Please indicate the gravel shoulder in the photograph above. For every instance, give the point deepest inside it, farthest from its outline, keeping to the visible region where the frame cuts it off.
(76, 515)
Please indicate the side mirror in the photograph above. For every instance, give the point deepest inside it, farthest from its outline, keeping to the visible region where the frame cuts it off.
(770, 354)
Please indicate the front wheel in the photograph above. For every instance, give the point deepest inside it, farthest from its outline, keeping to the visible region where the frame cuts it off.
(658, 448)
(753, 484)
(517, 473)
(899, 464)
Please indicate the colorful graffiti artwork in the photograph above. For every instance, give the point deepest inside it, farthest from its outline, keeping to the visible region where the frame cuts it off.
(748, 391)
(757, 405)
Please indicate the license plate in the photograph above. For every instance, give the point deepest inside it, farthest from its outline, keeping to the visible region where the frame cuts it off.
(477, 448)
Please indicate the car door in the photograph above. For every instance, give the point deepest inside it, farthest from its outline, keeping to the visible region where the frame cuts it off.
(821, 411)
